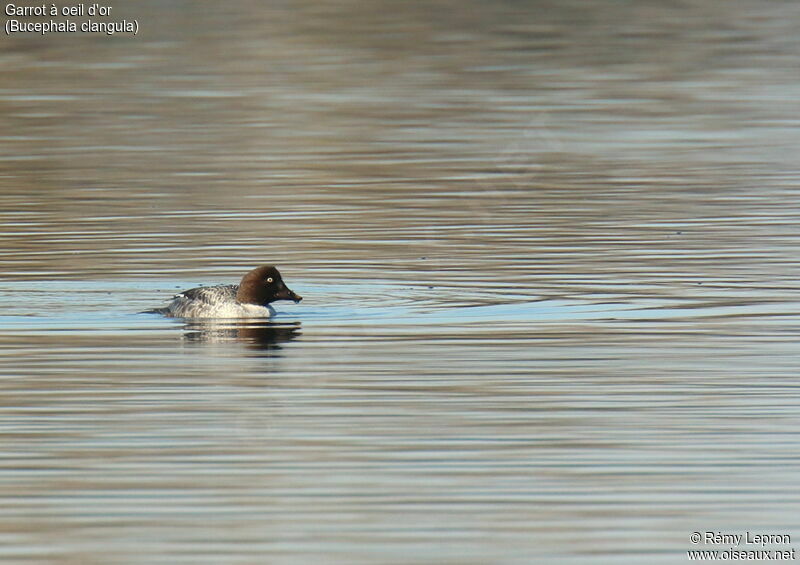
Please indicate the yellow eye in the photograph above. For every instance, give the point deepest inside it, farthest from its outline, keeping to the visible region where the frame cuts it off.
(269, 279)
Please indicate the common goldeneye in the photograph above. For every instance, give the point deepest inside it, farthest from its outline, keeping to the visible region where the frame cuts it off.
(249, 299)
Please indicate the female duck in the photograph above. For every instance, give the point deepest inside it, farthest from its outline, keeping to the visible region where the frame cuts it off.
(251, 298)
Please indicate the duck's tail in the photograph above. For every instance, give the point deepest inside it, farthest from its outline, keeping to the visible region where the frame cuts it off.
(162, 311)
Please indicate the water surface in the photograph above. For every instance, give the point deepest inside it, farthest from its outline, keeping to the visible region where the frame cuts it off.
(547, 251)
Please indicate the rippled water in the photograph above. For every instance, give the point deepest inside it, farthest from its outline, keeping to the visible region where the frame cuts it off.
(548, 255)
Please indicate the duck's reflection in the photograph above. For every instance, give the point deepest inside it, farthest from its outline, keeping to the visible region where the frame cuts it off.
(260, 334)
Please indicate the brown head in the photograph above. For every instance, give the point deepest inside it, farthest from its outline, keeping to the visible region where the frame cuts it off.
(264, 285)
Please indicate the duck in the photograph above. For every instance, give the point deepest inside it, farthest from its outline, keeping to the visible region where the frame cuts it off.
(251, 298)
